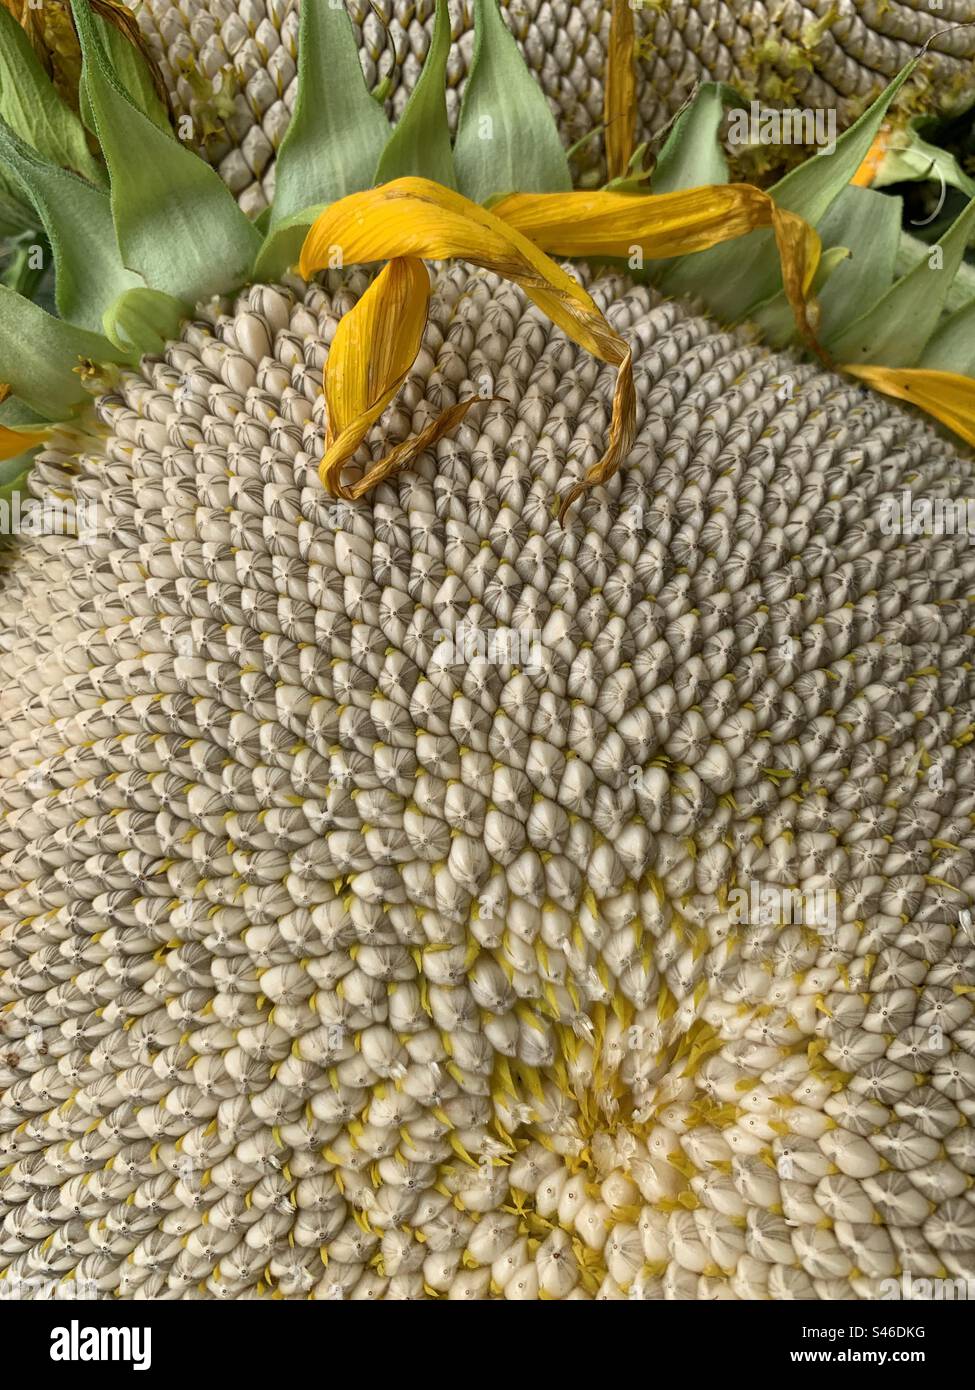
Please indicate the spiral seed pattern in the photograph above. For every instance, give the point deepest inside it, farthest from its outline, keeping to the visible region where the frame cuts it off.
(248, 49)
(342, 958)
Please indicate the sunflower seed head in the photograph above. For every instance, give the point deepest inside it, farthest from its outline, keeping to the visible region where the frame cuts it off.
(330, 831)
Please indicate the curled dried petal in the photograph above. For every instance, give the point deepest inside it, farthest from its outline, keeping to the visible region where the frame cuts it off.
(409, 219)
(619, 103)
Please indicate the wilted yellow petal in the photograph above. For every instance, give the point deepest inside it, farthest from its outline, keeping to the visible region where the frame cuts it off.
(948, 396)
(661, 225)
(374, 347)
(413, 448)
(412, 218)
(604, 223)
(622, 431)
(799, 250)
(416, 217)
(619, 102)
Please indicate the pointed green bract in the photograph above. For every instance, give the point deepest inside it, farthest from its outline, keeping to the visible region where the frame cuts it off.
(337, 132)
(776, 317)
(32, 108)
(951, 348)
(132, 71)
(77, 218)
(810, 189)
(176, 222)
(911, 252)
(893, 332)
(420, 143)
(39, 354)
(738, 276)
(17, 214)
(506, 137)
(869, 224)
(14, 412)
(282, 246)
(692, 153)
(11, 471)
(142, 321)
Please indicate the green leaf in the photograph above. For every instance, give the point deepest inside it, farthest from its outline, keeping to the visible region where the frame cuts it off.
(775, 317)
(16, 213)
(914, 159)
(39, 354)
(88, 270)
(507, 139)
(282, 246)
(637, 176)
(14, 412)
(31, 107)
(894, 330)
(734, 278)
(338, 131)
(951, 347)
(869, 224)
(420, 142)
(11, 471)
(142, 321)
(911, 251)
(692, 155)
(132, 71)
(176, 222)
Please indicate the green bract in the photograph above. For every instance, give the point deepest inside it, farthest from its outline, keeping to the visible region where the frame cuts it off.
(692, 153)
(506, 138)
(77, 219)
(176, 222)
(735, 279)
(334, 142)
(894, 331)
(32, 108)
(420, 143)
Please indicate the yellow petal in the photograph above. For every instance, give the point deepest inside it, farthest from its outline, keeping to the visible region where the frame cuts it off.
(799, 250)
(619, 103)
(948, 396)
(17, 439)
(416, 217)
(668, 224)
(413, 448)
(412, 218)
(374, 347)
(604, 223)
